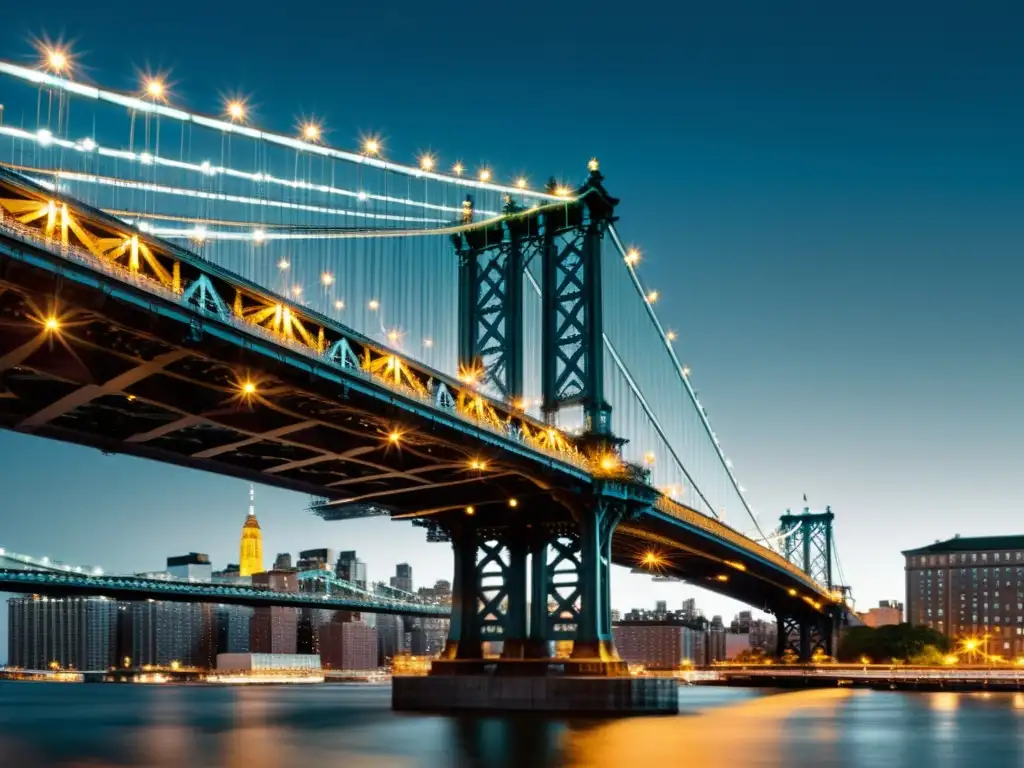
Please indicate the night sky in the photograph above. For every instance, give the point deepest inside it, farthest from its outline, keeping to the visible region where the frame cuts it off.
(828, 199)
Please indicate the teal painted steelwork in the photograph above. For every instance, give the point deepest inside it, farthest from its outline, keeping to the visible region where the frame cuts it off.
(134, 588)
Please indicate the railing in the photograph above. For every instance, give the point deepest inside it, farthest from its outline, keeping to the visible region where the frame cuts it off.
(114, 269)
(161, 587)
(723, 531)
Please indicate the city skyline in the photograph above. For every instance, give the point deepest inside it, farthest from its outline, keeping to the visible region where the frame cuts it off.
(819, 280)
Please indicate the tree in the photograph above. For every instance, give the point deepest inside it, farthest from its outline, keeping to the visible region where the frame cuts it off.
(895, 641)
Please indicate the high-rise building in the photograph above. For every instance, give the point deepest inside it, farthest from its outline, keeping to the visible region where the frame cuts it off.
(162, 633)
(194, 566)
(283, 561)
(660, 644)
(275, 629)
(351, 568)
(689, 609)
(347, 645)
(316, 560)
(888, 612)
(251, 552)
(970, 588)
(233, 628)
(661, 606)
(72, 632)
(403, 577)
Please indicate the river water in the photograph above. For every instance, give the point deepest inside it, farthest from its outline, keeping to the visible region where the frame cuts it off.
(103, 726)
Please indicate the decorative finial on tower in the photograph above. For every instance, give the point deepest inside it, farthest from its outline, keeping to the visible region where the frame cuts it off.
(252, 500)
(593, 166)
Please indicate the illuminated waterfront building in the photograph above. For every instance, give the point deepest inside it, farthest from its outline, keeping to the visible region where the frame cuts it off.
(887, 613)
(71, 632)
(348, 645)
(970, 589)
(252, 542)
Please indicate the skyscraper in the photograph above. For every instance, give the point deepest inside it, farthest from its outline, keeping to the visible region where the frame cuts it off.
(351, 568)
(403, 577)
(252, 542)
(73, 632)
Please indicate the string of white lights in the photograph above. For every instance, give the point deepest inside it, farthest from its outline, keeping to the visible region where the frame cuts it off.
(143, 186)
(630, 261)
(45, 138)
(152, 106)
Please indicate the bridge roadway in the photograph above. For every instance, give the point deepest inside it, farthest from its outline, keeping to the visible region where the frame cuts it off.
(70, 584)
(123, 342)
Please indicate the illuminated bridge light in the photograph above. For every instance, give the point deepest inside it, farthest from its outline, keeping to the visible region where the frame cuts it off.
(374, 305)
(427, 162)
(311, 131)
(155, 89)
(792, 593)
(326, 278)
(371, 146)
(478, 465)
(632, 257)
(652, 297)
(470, 510)
(57, 60)
(513, 503)
(249, 388)
(52, 323)
(721, 577)
(236, 110)
(394, 437)
(737, 566)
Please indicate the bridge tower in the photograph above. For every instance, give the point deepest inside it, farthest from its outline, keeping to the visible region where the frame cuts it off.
(561, 538)
(807, 543)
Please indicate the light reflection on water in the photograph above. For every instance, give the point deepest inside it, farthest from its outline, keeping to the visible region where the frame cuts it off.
(117, 726)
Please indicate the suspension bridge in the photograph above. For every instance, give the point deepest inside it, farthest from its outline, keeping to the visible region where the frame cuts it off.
(481, 358)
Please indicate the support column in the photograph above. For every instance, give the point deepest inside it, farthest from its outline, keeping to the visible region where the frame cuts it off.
(465, 591)
(539, 645)
(515, 637)
(593, 635)
(782, 636)
(805, 641)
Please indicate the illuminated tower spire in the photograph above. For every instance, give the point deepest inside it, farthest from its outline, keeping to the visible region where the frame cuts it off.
(251, 556)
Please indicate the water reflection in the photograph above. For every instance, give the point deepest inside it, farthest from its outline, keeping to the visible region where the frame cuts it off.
(199, 727)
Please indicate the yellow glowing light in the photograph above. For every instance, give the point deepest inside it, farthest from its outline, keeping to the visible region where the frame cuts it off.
(608, 463)
(258, 236)
(652, 297)
(632, 256)
(283, 264)
(477, 464)
(175, 665)
(513, 503)
(950, 659)
(57, 60)
(792, 593)
(326, 278)
(236, 110)
(865, 660)
(374, 304)
(393, 336)
(521, 182)
(652, 558)
(737, 566)
(458, 169)
(671, 335)
(593, 165)
(249, 388)
(562, 191)
(52, 323)
(649, 457)
(485, 175)
(395, 436)
(339, 304)
(296, 290)
(427, 163)
(371, 146)
(721, 577)
(971, 645)
(470, 511)
(155, 88)
(686, 370)
(311, 132)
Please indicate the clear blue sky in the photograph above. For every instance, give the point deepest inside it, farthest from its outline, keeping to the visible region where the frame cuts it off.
(828, 197)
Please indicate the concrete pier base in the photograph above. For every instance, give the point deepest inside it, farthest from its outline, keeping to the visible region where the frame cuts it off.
(580, 695)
